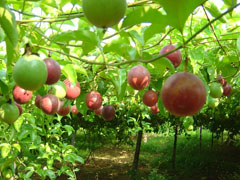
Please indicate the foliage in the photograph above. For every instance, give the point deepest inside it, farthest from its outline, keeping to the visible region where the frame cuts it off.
(99, 59)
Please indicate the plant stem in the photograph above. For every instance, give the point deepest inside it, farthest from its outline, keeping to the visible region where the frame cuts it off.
(141, 60)
(160, 39)
(213, 30)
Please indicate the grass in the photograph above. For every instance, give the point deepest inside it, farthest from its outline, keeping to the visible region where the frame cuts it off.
(219, 162)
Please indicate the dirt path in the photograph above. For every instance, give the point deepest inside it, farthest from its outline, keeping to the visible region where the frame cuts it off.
(109, 163)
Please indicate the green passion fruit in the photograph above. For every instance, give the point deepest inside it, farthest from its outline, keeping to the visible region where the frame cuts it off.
(104, 13)
(213, 102)
(58, 89)
(30, 72)
(216, 90)
(9, 113)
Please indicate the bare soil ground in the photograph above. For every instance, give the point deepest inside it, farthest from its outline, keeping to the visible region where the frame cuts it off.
(109, 163)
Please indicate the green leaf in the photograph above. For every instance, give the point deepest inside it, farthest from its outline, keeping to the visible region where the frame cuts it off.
(28, 174)
(88, 38)
(5, 163)
(8, 23)
(238, 45)
(214, 10)
(5, 149)
(18, 123)
(79, 159)
(70, 73)
(144, 15)
(161, 108)
(63, 170)
(80, 69)
(120, 46)
(230, 3)
(80, 103)
(73, 157)
(78, 35)
(51, 3)
(2, 34)
(50, 174)
(152, 30)
(137, 36)
(4, 87)
(69, 129)
(119, 82)
(17, 146)
(179, 10)
(162, 64)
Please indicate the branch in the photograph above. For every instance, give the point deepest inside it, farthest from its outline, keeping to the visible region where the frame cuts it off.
(141, 60)
(213, 30)
(138, 3)
(74, 57)
(69, 15)
(215, 41)
(160, 40)
(49, 20)
(190, 39)
(123, 29)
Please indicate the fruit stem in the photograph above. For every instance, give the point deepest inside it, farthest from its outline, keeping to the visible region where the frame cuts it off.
(28, 50)
(186, 54)
(49, 54)
(186, 64)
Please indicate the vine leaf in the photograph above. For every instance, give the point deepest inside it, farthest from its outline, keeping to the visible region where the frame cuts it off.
(8, 24)
(144, 15)
(70, 73)
(179, 10)
(238, 45)
(214, 10)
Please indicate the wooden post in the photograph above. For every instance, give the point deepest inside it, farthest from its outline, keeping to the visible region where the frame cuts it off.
(174, 147)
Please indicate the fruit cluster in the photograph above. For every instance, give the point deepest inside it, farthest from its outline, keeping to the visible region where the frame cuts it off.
(183, 94)
(217, 90)
(36, 74)
(94, 102)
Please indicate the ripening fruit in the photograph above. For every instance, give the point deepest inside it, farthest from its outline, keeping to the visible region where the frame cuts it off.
(19, 108)
(175, 57)
(74, 109)
(222, 80)
(54, 71)
(49, 104)
(72, 91)
(227, 90)
(150, 98)
(154, 109)
(63, 110)
(216, 90)
(108, 112)
(21, 96)
(94, 100)
(183, 94)
(104, 13)
(98, 111)
(30, 72)
(138, 77)
(38, 100)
